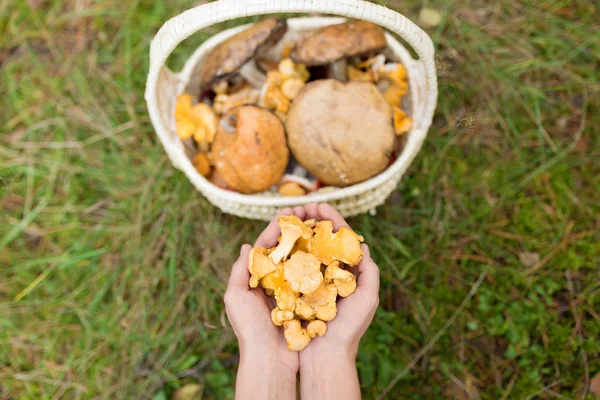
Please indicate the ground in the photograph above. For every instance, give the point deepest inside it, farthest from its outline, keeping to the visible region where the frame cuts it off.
(113, 267)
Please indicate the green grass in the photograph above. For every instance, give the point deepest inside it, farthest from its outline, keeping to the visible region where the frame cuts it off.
(112, 267)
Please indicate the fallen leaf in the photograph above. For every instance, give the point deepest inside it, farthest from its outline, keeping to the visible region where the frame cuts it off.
(428, 18)
(595, 385)
(529, 259)
(191, 391)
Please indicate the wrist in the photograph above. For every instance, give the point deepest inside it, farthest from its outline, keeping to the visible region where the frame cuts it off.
(265, 359)
(265, 375)
(318, 360)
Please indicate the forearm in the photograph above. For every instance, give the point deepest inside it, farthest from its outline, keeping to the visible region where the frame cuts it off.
(264, 376)
(330, 377)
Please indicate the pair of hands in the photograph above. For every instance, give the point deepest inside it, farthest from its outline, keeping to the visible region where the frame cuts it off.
(249, 311)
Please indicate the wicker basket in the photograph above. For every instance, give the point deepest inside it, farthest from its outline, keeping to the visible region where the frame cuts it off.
(163, 86)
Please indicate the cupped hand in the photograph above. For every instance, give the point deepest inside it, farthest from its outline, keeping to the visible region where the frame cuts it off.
(356, 311)
(249, 310)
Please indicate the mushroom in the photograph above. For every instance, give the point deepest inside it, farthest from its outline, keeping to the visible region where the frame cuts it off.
(292, 228)
(319, 304)
(402, 122)
(310, 222)
(343, 246)
(316, 327)
(303, 272)
(223, 103)
(216, 179)
(282, 86)
(295, 335)
(301, 243)
(259, 265)
(253, 75)
(341, 132)
(202, 164)
(276, 285)
(278, 316)
(334, 42)
(291, 188)
(249, 150)
(344, 281)
(229, 56)
(295, 185)
(198, 121)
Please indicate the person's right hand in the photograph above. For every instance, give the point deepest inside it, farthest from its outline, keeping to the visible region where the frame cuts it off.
(328, 363)
(355, 312)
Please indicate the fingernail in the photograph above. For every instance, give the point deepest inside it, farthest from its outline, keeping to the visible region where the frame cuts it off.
(285, 211)
(366, 250)
(245, 248)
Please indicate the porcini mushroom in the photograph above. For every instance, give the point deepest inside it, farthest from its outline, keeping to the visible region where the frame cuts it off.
(259, 265)
(334, 42)
(316, 327)
(292, 228)
(341, 132)
(344, 281)
(249, 150)
(344, 245)
(229, 56)
(303, 272)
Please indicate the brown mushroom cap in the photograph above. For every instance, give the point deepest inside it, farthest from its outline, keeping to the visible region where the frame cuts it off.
(341, 132)
(334, 42)
(249, 151)
(230, 55)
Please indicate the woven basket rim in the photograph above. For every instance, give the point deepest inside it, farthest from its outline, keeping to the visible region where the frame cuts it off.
(411, 148)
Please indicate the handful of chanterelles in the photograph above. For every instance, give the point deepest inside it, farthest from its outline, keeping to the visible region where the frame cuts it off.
(332, 96)
(306, 272)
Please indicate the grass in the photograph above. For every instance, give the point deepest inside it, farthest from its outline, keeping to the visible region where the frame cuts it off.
(112, 267)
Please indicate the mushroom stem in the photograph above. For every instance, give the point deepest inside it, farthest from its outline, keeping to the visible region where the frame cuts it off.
(337, 70)
(253, 75)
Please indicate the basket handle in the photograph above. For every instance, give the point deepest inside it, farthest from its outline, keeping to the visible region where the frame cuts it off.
(178, 28)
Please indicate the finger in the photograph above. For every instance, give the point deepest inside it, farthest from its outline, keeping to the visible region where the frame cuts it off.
(239, 271)
(368, 274)
(312, 210)
(268, 237)
(329, 213)
(300, 212)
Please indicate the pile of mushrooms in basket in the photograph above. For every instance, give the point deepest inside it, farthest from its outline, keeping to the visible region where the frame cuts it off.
(290, 113)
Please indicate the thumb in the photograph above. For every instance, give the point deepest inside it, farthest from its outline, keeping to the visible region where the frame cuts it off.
(368, 275)
(239, 271)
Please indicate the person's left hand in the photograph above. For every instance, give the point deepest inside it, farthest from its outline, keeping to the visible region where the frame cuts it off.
(249, 310)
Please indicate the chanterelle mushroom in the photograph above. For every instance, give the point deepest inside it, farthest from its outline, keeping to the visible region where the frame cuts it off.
(292, 228)
(319, 304)
(334, 42)
(229, 56)
(276, 285)
(344, 281)
(278, 316)
(259, 265)
(341, 132)
(303, 272)
(316, 327)
(295, 335)
(344, 245)
(249, 150)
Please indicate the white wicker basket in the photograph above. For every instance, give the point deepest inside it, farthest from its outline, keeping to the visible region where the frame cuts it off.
(163, 86)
